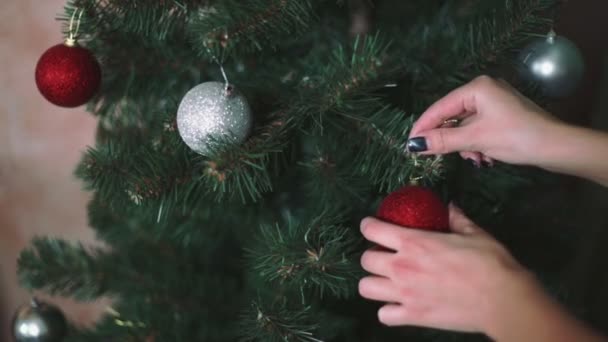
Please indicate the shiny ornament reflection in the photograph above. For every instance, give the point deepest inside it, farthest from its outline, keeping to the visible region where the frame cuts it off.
(39, 322)
(553, 62)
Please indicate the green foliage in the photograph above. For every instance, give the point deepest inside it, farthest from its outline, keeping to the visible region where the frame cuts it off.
(515, 22)
(267, 228)
(319, 255)
(261, 324)
(71, 269)
(236, 26)
(385, 146)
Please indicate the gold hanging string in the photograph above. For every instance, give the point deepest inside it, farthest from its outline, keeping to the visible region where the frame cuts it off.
(73, 33)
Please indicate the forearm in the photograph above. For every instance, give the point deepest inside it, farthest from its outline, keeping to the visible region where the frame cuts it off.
(576, 151)
(533, 316)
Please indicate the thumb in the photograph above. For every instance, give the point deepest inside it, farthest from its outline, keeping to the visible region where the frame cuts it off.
(440, 141)
(460, 223)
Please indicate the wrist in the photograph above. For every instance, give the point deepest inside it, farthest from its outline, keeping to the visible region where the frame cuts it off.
(521, 294)
(555, 147)
(576, 151)
(524, 312)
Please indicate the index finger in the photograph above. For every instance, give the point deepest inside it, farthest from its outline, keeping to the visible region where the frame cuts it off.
(457, 102)
(386, 234)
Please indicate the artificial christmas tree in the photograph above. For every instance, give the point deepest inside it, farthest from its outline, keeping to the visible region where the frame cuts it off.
(253, 235)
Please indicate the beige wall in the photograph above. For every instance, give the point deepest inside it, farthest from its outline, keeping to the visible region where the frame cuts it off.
(40, 144)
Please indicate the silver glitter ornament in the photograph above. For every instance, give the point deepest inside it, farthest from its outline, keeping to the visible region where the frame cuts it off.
(39, 322)
(210, 112)
(553, 62)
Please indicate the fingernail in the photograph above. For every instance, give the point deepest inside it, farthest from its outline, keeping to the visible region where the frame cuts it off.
(474, 163)
(417, 144)
(486, 163)
(364, 223)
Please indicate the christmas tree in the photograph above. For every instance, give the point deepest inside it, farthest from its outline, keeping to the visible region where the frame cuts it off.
(240, 142)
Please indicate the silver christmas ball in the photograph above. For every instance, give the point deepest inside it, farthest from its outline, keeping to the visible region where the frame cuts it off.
(553, 62)
(209, 112)
(39, 322)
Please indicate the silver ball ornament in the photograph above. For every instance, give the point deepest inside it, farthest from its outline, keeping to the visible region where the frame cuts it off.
(39, 322)
(553, 62)
(211, 111)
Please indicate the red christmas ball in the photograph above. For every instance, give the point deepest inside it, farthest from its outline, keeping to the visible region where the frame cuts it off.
(68, 76)
(415, 207)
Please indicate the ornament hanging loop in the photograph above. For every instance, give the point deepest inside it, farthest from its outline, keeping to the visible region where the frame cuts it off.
(551, 36)
(34, 302)
(73, 32)
(228, 89)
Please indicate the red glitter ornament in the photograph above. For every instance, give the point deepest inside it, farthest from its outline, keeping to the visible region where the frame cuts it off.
(415, 207)
(68, 75)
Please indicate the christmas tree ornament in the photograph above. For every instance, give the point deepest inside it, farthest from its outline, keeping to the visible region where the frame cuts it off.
(39, 322)
(67, 74)
(210, 112)
(415, 207)
(553, 62)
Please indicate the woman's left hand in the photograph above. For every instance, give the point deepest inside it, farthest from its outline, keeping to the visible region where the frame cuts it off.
(462, 281)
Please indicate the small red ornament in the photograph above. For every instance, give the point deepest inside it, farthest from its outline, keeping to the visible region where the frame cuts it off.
(68, 75)
(415, 207)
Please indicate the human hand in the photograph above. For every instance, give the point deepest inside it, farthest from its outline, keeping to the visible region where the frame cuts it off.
(497, 123)
(461, 281)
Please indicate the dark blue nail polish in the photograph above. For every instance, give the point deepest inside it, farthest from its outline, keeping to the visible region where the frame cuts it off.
(417, 144)
(474, 163)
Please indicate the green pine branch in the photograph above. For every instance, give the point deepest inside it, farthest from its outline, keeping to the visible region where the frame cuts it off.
(319, 255)
(235, 27)
(385, 133)
(143, 81)
(490, 41)
(485, 40)
(61, 268)
(277, 324)
(152, 21)
(328, 172)
(246, 171)
(347, 80)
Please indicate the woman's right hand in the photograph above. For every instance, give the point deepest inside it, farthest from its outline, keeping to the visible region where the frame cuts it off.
(497, 122)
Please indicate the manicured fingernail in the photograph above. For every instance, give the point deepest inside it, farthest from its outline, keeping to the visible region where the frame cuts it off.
(474, 163)
(486, 163)
(417, 144)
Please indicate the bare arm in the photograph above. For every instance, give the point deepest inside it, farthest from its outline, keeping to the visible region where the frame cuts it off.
(528, 314)
(498, 123)
(577, 151)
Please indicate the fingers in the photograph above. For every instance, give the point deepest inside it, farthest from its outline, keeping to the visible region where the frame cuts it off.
(457, 102)
(405, 314)
(487, 161)
(473, 157)
(377, 262)
(393, 314)
(460, 223)
(378, 288)
(387, 235)
(442, 141)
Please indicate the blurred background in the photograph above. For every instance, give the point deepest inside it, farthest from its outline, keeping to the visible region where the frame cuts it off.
(40, 145)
